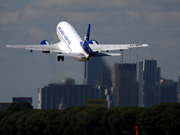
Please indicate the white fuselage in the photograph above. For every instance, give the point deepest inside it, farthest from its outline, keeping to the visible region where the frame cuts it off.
(70, 40)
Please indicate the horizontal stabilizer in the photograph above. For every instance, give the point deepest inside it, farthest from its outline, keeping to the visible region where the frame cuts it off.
(71, 54)
(112, 47)
(104, 54)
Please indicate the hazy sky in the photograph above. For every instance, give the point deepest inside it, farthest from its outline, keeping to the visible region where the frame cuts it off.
(155, 22)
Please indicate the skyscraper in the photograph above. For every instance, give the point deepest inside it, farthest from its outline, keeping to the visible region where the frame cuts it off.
(65, 95)
(124, 82)
(179, 89)
(22, 99)
(4, 106)
(179, 84)
(149, 78)
(97, 72)
(168, 91)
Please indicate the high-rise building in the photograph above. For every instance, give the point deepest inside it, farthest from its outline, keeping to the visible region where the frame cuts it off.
(61, 96)
(168, 91)
(179, 84)
(125, 84)
(97, 72)
(149, 78)
(179, 89)
(4, 106)
(107, 94)
(22, 99)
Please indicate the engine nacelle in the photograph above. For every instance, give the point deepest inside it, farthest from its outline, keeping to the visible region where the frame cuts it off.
(93, 42)
(45, 42)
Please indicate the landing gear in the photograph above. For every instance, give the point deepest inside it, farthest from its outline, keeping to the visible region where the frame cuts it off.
(60, 58)
(121, 51)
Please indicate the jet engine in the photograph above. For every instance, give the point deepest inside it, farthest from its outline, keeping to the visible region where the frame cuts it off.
(45, 42)
(93, 42)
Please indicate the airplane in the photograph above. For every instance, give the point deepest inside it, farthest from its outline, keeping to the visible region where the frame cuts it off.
(72, 45)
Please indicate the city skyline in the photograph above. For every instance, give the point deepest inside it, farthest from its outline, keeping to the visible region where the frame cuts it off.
(124, 70)
(124, 21)
(126, 90)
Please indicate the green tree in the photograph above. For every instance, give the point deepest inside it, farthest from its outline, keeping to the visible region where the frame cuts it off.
(89, 121)
(161, 119)
(3, 116)
(123, 119)
(8, 125)
(15, 107)
(52, 122)
(21, 121)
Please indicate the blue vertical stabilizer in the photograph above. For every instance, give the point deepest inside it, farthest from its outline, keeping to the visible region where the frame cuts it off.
(85, 43)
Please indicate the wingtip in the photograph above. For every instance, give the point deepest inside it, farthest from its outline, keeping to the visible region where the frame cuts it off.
(145, 45)
(7, 46)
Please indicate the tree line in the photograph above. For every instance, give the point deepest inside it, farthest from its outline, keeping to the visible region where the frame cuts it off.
(163, 119)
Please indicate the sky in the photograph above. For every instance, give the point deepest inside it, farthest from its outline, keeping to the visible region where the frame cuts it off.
(155, 22)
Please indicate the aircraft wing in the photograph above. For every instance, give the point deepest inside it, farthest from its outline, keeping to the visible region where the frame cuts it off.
(50, 47)
(71, 54)
(104, 54)
(111, 47)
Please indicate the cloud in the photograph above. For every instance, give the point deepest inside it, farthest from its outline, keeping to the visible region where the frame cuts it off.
(36, 33)
(70, 5)
(9, 17)
(29, 13)
(165, 18)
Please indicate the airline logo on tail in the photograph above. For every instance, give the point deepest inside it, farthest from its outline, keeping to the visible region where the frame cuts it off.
(85, 43)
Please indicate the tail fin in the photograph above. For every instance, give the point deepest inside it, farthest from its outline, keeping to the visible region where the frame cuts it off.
(87, 36)
(85, 44)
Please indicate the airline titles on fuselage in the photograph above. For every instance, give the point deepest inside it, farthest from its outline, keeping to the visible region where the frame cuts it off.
(64, 35)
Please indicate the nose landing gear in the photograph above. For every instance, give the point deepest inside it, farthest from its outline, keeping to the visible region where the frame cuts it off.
(60, 58)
